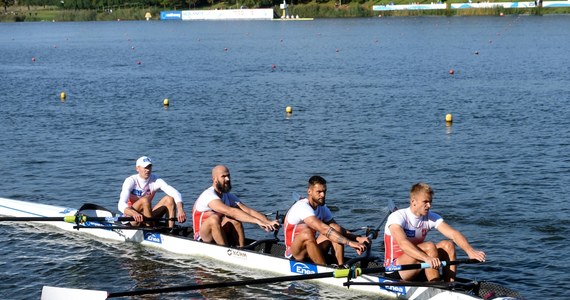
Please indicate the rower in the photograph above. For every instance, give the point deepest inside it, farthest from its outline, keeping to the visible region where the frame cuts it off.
(138, 191)
(310, 215)
(405, 233)
(217, 214)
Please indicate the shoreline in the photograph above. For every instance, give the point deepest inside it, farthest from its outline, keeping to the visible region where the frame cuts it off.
(307, 11)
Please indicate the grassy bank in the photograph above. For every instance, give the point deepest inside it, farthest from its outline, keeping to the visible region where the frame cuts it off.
(355, 10)
(311, 9)
(53, 14)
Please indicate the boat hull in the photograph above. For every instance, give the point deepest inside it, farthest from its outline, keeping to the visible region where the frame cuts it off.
(264, 254)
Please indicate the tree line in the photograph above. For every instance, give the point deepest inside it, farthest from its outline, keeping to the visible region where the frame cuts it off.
(164, 4)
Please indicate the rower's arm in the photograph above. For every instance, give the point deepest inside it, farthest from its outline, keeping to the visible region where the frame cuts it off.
(408, 247)
(460, 240)
(267, 224)
(180, 213)
(326, 230)
(252, 212)
(353, 237)
(232, 212)
(349, 235)
(126, 189)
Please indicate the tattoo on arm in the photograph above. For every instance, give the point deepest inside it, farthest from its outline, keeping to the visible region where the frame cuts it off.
(342, 240)
(329, 232)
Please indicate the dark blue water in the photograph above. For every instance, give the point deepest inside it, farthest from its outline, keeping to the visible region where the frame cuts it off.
(369, 99)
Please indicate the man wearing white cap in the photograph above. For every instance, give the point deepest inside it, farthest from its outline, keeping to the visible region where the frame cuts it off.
(139, 189)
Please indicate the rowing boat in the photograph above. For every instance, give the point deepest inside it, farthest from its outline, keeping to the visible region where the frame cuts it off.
(257, 255)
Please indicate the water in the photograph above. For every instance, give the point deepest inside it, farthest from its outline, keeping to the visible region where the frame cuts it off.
(369, 98)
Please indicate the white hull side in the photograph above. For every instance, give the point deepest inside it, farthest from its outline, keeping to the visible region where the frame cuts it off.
(247, 259)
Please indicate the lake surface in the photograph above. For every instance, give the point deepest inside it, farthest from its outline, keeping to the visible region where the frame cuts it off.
(369, 99)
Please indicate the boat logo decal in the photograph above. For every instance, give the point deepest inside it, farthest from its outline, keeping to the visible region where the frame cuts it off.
(153, 237)
(237, 253)
(302, 268)
(400, 290)
(97, 225)
(392, 268)
(66, 211)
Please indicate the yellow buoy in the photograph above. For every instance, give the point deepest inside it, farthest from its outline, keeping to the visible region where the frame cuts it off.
(62, 96)
(166, 102)
(289, 109)
(448, 118)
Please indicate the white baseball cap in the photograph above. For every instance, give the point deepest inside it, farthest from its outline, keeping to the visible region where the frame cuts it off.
(144, 161)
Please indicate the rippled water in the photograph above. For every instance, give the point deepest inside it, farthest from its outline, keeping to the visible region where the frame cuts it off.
(369, 99)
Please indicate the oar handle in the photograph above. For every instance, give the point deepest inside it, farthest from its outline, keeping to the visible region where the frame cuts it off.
(347, 273)
(425, 265)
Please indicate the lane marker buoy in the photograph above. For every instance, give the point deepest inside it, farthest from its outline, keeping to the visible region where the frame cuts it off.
(449, 119)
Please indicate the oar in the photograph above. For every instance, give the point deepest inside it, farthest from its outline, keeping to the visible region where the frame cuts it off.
(437, 284)
(78, 219)
(49, 292)
(372, 234)
(34, 219)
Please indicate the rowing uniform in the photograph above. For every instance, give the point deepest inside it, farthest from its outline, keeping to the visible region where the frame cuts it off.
(201, 210)
(416, 229)
(294, 223)
(136, 187)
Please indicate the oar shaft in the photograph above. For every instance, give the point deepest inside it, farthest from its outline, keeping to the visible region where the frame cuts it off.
(221, 284)
(31, 219)
(77, 219)
(341, 273)
(417, 266)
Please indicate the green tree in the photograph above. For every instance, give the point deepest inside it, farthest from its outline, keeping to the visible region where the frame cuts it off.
(191, 3)
(6, 4)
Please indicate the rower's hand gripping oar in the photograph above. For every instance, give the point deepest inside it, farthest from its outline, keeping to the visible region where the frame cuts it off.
(51, 293)
(279, 219)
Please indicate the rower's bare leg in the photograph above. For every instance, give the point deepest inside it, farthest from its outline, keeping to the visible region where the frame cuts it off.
(211, 230)
(166, 204)
(430, 249)
(407, 275)
(158, 212)
(446, 250)
(305, 246)
(143, 206)
(338, 249)
(431, 274)
(234, 231)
